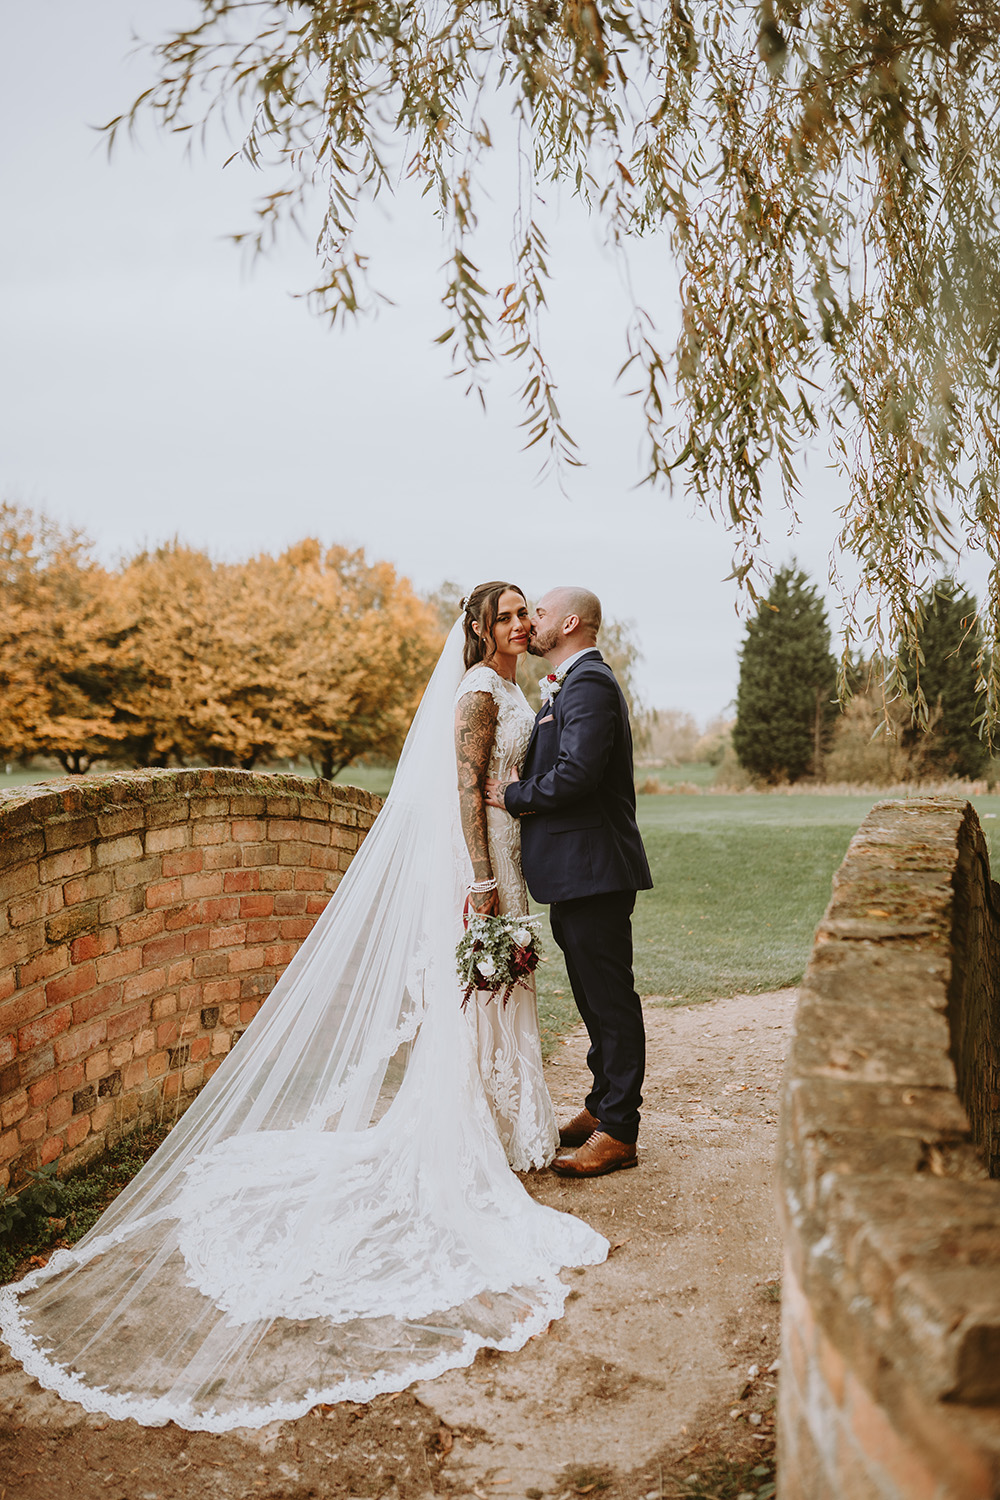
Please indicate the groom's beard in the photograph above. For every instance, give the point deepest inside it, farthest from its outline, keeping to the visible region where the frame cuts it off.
(541, 645)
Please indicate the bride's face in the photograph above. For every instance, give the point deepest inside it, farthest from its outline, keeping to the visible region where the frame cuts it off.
(512, 629)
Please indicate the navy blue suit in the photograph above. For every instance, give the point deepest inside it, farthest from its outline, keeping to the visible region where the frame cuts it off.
(582, 852)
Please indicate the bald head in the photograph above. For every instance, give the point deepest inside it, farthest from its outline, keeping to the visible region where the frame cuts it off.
(566, 619)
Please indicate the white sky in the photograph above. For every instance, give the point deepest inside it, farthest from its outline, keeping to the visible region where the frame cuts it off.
(152, 385)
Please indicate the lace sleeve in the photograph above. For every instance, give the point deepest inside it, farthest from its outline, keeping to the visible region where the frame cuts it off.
(480, 679)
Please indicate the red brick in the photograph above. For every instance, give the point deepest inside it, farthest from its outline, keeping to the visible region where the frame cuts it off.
(162, 840)
(77, 982)
(169, 946)
(98, 1065)
(194, 1077)
(302, 854)
(163, 1006)
(209, 833)
(8, 1048)
(146, 982)
(222, 857)
(144, 1042)
(31, 1129)
(211, 1065)
(289, 904)
(121, 905)
(135, 1073)
(15, 1107)
(256, 906)
(316, 905)
(70, 1078)
(248, 1010)
(277, 879)
(217, 991)
(51, 1149)
(180, 971)
(96, 1003)
(141, 928)
(22, 1007)
(10, 1145)
(61, 866)
(77, 1130)
(168, 1034)
(8, 984)
(242, 959)
(43, 1092)
(46, 963)
(81, 1040)
(102, 1116)
(187, 862)
(197, 887)
(200, 1048)
(171, 1085)
(282, 829)
(279, 954)
(247, 830)
(44, 1028)
(117, 965)
(121, 1053)
(119, 851)
(126, 1023)
(310, 880)
(93, 945)
(294, 929)
(183, 916)
(241, 880)
(137, 872)
(164, 893)
(264, 930)
(60, 1110)
(198, 939)
(88, 887)
(221, 909)
(228, 936)
(259, 854)
(36, 907)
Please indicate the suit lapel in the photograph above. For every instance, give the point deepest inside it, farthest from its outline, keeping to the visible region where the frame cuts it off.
(550, 706)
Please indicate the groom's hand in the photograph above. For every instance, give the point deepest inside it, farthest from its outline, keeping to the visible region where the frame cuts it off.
(494, 791)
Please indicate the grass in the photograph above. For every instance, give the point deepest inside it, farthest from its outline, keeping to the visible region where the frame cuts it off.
(740, 883)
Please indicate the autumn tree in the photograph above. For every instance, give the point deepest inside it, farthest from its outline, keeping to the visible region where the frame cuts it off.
(56, 626)
(824, 177)
(786, 699)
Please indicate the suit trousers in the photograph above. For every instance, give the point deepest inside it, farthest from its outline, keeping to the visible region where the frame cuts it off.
(595, 935)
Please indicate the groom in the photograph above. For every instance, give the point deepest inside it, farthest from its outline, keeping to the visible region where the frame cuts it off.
(583, 853)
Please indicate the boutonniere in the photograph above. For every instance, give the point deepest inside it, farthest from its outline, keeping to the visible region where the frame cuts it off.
(550, 685)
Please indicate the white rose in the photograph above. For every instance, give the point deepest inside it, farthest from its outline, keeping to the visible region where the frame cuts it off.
(521, 936)
(486, 967)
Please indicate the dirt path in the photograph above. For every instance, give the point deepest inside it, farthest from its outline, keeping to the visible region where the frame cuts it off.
(646, 1376)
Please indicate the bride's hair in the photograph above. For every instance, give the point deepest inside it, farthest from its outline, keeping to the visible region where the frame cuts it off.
(482, 607)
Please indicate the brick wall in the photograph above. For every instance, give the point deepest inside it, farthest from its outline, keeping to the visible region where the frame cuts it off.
(144, 917)
(890, 1367)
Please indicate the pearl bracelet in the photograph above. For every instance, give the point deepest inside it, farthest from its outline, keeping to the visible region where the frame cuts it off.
(480, 887)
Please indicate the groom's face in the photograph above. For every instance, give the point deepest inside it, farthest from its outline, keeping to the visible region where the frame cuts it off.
(546, 626)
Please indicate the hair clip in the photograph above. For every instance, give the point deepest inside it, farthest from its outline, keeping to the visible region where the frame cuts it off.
(463, 603)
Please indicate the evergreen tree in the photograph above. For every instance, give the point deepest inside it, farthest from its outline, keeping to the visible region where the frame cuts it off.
(942, 680)
(786, 700)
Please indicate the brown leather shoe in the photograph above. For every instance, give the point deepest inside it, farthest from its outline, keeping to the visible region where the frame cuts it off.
(600, 1153)
(579, 1129)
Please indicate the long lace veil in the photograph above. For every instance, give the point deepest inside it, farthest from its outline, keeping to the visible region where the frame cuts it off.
(333, 1216)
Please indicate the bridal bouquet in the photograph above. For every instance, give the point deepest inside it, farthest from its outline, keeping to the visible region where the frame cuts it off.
(496, 953)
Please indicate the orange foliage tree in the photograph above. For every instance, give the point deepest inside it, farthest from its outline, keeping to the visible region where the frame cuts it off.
(314, 654)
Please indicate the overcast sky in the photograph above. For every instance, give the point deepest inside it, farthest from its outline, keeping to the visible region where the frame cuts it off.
(153, 385)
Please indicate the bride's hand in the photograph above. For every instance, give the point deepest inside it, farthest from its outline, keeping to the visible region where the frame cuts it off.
(494, 790)
(485, 903)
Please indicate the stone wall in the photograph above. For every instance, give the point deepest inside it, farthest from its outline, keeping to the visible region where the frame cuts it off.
(890, 1367)
(144, 917)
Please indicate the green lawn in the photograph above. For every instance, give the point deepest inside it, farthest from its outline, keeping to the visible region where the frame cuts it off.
(740, 883)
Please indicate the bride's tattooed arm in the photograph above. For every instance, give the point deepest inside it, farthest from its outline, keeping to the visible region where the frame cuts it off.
(475, 731)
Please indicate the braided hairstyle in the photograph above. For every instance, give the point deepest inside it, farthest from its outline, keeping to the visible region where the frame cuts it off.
(482, 607)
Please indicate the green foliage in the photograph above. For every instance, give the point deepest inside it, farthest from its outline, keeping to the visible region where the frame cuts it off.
(50, 1211)
(825, 176)
(785, 703)
(944, 682)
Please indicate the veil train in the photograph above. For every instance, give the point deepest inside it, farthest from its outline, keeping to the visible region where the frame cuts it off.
(333, 1217)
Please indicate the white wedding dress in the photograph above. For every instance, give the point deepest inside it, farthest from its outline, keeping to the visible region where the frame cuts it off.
(509, 1045)
(334, 1216)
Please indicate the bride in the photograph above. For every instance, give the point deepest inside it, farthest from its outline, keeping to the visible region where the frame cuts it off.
(335, 1215)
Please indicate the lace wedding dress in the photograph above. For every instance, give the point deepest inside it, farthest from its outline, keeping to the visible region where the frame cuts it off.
(334, 1216)
(509, 1045)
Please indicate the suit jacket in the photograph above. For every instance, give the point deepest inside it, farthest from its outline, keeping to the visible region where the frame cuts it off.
(577, 781)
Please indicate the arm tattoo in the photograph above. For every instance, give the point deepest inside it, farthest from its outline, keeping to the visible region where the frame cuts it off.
(475, 731)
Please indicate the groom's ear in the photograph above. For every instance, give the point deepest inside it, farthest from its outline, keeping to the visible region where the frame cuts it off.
(570, 624)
